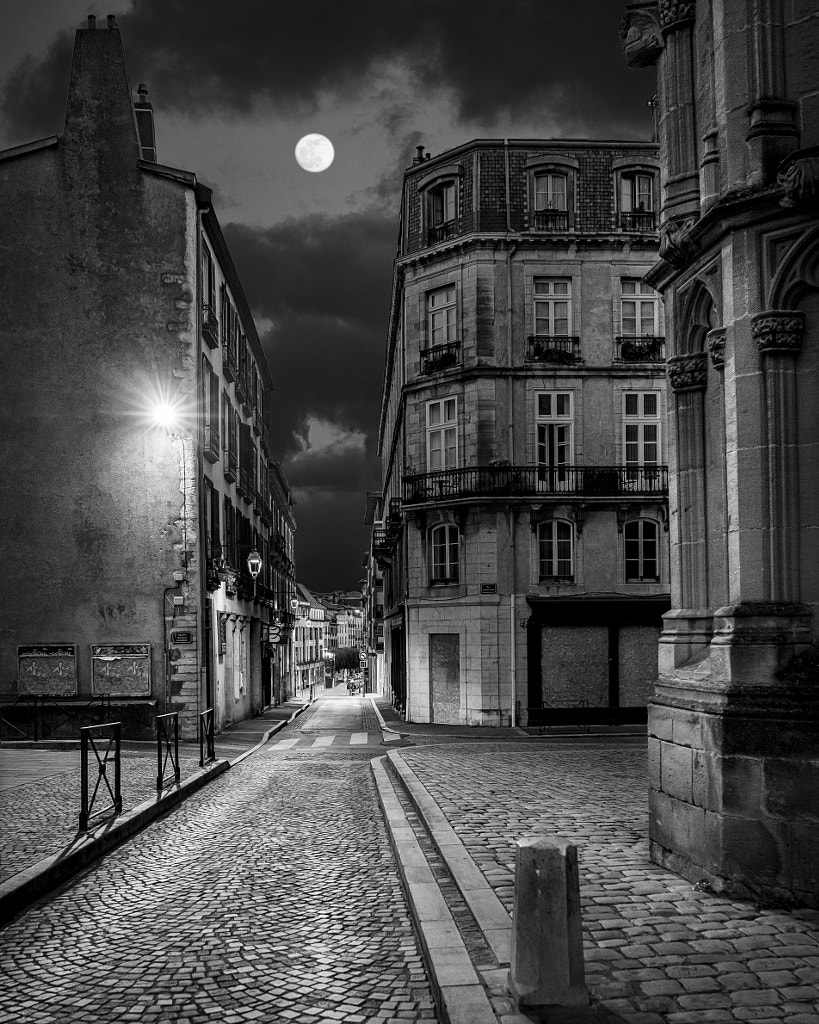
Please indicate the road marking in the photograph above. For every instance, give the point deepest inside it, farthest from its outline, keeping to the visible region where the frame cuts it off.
(355, 739)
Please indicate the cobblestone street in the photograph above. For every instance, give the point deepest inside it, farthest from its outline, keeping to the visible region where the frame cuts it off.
(271, 895)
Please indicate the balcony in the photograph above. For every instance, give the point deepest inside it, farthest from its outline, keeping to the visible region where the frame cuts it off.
(240, 385)
(230, 367)
(231, 466)
(258, 501)
(438, 233)
(210, 443)
(550, 220)
(641, 221)
(244, 486)
(480, 482)
(553, 348)
(257, 422)
(210, 326)
(440, 357)
(632, 348)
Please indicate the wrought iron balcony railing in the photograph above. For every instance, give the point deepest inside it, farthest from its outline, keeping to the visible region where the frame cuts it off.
(210, 326)
(552, 348)
(479, 482)
(240, 386)
(257, 421)
(440, 357)
(632, 348)
(231, 466)
(639, 220)
(441, 232)
(550, 220)
(230, 367)
(210, 443)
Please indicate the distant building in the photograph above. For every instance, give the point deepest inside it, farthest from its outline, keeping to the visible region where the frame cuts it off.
(734, 762)
(522, 524)
(126, 565)
(308, 643)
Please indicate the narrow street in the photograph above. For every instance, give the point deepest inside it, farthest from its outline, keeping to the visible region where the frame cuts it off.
(271, 895)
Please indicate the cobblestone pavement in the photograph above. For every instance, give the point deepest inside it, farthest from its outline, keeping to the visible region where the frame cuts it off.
(271, 895)
(657, 950)
(40, 817)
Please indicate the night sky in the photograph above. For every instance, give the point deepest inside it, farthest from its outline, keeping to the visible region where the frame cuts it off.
(234, 87)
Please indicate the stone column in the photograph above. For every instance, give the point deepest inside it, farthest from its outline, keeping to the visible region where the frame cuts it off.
(677, 121)
(778, 333)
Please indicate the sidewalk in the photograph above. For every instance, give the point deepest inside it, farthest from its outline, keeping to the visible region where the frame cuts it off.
(40, 801)
(658, 949)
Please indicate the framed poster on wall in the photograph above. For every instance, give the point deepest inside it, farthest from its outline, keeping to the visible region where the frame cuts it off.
(121, 670)
(48, 670)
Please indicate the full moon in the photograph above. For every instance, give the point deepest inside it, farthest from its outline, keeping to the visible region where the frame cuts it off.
(314, 153)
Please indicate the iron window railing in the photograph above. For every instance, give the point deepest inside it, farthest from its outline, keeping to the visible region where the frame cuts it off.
(440, 357)
(550, 220)
(552, 348)
(535, 481)
(441, 232)
(210, 326)
(210, 446)
(646, 348)
(230, 367)
(638, 220)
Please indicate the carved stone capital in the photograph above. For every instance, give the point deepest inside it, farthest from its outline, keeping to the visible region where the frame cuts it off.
(715, 343)
(675, 14)
(689, 372)
(799, 179)
(641, 36)
(675, 247)
(779, 331)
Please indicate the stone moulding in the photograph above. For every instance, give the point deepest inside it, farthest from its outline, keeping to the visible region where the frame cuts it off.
(715, 343)
(675, 13)
(778, 331)
(688, 372)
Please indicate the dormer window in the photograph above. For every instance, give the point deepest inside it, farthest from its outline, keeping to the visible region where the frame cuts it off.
(637, 201)
(441, 212)
(551, 211)
(552, 184)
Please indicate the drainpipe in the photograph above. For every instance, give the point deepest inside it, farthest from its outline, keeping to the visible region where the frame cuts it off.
(510, 448)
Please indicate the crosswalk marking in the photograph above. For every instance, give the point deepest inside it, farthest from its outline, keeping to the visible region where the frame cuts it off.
(327, 740)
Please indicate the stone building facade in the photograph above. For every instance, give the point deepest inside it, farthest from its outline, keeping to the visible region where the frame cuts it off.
(522, 525)
(733, 720)
(126, 562)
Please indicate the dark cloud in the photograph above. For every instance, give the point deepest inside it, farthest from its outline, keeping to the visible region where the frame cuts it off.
(325, 283)
(330, 540)
(500, 60)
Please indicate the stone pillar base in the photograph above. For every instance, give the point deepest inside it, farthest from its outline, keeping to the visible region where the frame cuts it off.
(734, 793)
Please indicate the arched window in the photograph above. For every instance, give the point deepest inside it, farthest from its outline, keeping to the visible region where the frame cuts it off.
(641, 544)
(555, 550)
(443, 554)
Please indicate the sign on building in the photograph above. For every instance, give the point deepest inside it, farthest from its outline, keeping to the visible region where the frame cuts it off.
(47, 670)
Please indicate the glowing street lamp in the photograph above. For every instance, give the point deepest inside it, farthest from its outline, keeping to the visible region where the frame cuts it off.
(254, 563)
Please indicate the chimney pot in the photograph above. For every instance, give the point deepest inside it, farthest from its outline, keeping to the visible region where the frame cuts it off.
(142, 92)
(92, 21)
(112, 21)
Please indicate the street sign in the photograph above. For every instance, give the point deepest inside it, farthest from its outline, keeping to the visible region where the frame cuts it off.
(179, 636)
(362, 657)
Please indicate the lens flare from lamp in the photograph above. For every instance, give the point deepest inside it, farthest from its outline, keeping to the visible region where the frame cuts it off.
(165, 415)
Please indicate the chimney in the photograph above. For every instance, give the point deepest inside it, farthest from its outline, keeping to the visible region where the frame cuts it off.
(419, 155)
(145, 124)
(100, 133)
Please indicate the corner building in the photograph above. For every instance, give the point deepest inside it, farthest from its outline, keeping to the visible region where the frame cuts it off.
(522, 525)
(126, 561)
(733, 722)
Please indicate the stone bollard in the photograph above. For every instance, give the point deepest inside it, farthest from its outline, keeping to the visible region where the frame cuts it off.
(547, 942)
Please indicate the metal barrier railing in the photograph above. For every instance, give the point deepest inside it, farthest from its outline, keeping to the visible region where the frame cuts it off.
(206, 738)
(167, 749)
(88, 740)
